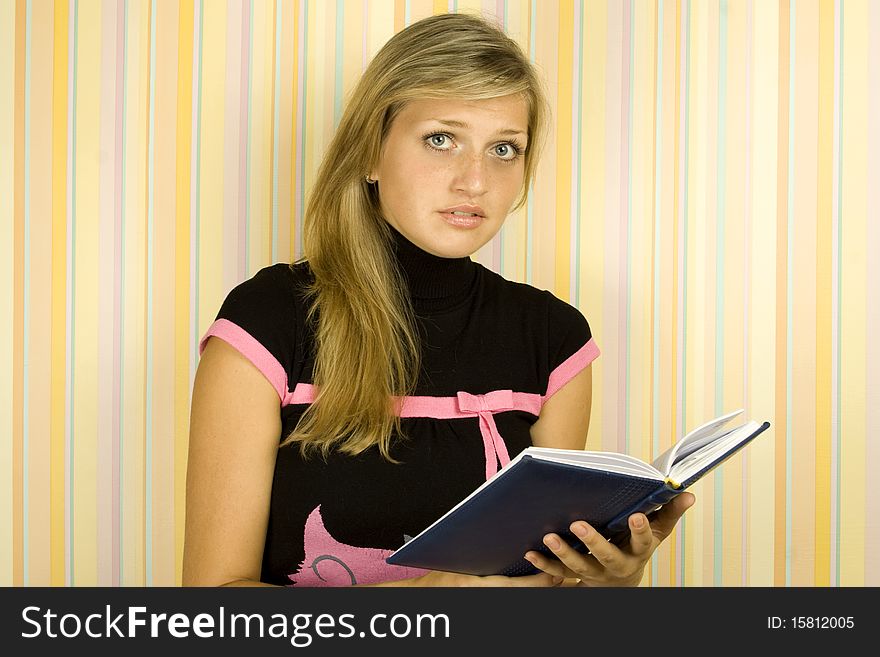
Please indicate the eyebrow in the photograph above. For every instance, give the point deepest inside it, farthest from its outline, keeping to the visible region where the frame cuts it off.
(460, 124)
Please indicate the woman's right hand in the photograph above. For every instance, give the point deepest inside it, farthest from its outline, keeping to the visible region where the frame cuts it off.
(441, 578)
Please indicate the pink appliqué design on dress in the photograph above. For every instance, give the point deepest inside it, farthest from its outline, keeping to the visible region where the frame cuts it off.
(328, 562)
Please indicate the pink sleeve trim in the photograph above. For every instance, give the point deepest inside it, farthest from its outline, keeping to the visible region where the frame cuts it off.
(251, 349)
(572, 366)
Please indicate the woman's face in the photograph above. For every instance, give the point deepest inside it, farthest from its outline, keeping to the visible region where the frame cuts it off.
(450, 171)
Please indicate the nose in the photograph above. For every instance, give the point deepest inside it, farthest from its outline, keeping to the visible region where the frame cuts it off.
(470, 174)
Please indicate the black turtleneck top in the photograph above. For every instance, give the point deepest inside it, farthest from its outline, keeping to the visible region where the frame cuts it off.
(493, 351)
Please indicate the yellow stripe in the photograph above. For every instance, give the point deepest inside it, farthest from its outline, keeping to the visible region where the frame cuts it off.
(59, 293)
(642, 252)
(211, 163)
(853, 385)
(592, 210)
(779, 511)
(734, 301)
(803, 393)
(563, 149)
(285, 165)
(295, 146)
(763, 248)
(544, 208)
(183, 163)
(7, 280)
(164, 295)
(677, 173)
(40, 286)
(85, 385)
(133, 295)
(823, 318)
(261, 136)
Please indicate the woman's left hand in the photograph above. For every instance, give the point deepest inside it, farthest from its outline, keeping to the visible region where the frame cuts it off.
(609, 564)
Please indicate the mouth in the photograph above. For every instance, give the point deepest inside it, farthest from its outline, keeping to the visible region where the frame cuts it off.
(464, 215)
(462, 219)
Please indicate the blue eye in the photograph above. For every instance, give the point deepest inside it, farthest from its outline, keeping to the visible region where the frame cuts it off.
(509, 151)
(437, 140)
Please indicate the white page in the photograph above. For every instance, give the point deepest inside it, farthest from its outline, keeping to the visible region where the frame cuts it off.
(693, 441)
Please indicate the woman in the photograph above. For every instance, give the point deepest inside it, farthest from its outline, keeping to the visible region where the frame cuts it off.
(375, 360)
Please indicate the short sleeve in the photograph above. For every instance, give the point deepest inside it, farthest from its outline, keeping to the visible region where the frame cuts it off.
(571, 346)
(258, 318)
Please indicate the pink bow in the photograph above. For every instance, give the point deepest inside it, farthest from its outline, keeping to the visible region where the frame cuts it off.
(484, 406)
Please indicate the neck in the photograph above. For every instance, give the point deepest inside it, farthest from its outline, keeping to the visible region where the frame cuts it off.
(434, 282)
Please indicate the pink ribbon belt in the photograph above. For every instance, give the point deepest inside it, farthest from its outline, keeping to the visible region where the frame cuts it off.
(462, 405)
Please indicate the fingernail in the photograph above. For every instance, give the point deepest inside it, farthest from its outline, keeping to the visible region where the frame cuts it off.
(529, 558)
(557, 581)
(580, 530)
(551, 542)
(639, 522)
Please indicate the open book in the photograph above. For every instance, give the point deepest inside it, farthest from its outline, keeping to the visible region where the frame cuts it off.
(544, 490)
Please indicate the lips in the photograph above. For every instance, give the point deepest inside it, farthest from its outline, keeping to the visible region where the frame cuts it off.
(465, 211)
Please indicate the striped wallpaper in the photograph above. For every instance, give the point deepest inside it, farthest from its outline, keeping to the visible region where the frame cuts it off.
(709, 198)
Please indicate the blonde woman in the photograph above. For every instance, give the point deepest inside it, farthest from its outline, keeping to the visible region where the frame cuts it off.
(350, 399)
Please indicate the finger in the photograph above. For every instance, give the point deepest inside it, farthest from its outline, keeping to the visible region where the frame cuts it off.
(608, 555)
(578, 564)
(550, 565)
(641, 540)
(538, 580)
(664, 521)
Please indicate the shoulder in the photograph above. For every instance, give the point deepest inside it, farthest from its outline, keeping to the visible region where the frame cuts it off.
(262, 318)
(539, 304)
(558, 329)
(279, 283)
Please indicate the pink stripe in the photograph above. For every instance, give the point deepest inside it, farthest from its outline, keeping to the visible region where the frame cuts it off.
(572, 366)
(250, 349)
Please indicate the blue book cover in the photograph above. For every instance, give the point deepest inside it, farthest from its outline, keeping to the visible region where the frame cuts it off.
(544, 490)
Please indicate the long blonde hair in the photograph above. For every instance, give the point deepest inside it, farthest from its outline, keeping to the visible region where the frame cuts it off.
(366, 340)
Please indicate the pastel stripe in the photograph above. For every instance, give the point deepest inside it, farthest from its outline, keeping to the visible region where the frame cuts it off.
(19, 199)
(7, 294)
(824, 286)
(858, 494)
(68, 293)
(25, 305)
(107, 493)
(783, 380)
(564, 207)
(834, 437)
(182, 269)
(720, 214)
(576, 151)
(118, 201)
(155, 155)
(151, 305)
(593, 191)
(682, 61)
(872, 296)
(58, 265)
